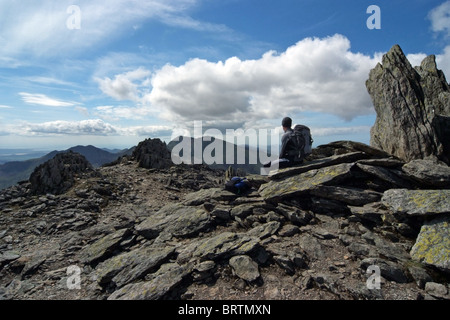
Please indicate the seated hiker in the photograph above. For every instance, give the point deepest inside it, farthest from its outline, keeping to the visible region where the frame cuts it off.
(295, 145)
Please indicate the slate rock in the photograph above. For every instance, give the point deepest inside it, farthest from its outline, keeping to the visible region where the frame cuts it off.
(103, 247)
(219, 246)
(265, 230)
(294, 215)
(9, 256)
(162, 282)
(417, 202)
(372, 212)
(206, 195)
(383, 162)
(288, 230)
(302, 183)
(221, 212)
(351, 196)
(388, 269)
(177, 219)
(317, 164)
(436, 290)
(419, 274)
(387, 175)
(242, 211)
(432, 246)
(245, 268)
(346, 146)
(133, 265)
(312, 246)
(428, 173)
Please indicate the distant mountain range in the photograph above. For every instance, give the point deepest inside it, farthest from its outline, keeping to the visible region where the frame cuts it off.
(245, 157)
(15, 171)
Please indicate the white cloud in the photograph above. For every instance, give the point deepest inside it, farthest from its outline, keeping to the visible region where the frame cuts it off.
(123, 87)
(91, 127)
(85, 127)
(416, 58)
(40, 27)
(41, 99)
(323, 132)
(320, 75)
(440, 18)
(115, 113)
(5, 107)
(49, 81)
(443, 62)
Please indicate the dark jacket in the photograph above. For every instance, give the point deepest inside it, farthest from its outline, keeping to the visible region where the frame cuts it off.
(286, 145)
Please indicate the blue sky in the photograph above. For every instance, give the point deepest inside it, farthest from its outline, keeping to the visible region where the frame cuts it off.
(113, 73)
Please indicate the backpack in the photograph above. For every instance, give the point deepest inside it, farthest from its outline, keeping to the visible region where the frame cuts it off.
(302, 141)
(238, 185)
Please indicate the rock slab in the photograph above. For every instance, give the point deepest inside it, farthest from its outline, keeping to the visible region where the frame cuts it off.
(432, 246)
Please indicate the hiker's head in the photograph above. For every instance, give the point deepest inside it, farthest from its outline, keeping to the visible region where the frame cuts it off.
(286, 123)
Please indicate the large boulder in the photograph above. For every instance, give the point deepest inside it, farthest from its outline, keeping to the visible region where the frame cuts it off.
(153, 154)
(58, 175)
(412, 106)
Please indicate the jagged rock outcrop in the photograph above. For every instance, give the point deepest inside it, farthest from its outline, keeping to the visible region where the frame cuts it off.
(57, 175)
(412, 106)
(153, 154)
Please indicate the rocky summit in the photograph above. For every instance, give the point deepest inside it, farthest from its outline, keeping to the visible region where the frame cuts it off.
(412, 106)
(315, 231)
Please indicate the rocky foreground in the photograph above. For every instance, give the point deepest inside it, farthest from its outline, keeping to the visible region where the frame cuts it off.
(309, 232)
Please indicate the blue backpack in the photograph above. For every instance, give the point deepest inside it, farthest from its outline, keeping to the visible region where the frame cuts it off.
(238, 185)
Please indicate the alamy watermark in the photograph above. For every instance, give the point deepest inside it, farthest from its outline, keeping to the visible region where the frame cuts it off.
(374, 21)
(73, 22)
(73, 281)
(374, 280)
(265, 143)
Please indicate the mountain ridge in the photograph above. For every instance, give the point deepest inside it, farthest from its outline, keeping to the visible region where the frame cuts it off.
(15, 171)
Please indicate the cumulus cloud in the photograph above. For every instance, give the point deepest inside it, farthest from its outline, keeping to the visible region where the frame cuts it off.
(43, 100)
(443, 62)
(320, 75)
(315, 75)
(440, 18)
(123, 86)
